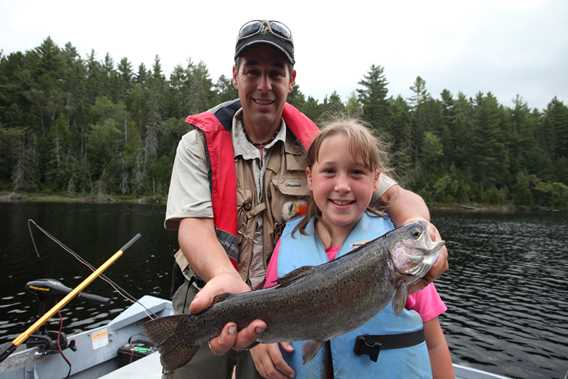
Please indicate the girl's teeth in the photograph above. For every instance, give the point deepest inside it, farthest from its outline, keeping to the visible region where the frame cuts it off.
(341, 202)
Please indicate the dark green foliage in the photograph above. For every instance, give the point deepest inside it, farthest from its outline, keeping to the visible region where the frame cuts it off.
(374, 102)
(90, 126)
(296, 97)
(331, 108)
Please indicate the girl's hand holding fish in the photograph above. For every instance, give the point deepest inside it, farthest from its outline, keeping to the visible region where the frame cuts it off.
(269, 361)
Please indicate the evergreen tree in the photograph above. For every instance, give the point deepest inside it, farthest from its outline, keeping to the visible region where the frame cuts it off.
(77, 125)
(373, 99)
(353, 107)
(225, 90)
(177, 100)
(401, 146)
(332, 107)
(95, 78)
(125, 78)
(296, 97)
(419, 118)
(201, 89)
(490, 158)
(555, 132)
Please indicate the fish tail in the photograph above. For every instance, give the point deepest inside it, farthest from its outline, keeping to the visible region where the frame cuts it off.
(170, 335)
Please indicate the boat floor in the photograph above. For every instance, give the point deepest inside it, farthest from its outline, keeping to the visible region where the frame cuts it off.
(152, 369)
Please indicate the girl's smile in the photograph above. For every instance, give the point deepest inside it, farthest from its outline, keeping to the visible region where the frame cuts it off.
(342, 186)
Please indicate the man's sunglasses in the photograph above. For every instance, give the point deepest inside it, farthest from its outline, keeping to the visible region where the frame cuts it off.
(254, 27)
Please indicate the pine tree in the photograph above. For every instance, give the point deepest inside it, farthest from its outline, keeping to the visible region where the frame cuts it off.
(488, 143)
(332, 107)
(202, 95)
(296, 97)
(373, 99)
(400, 148)
(419, 118)
(225, 90)
(555, 131)
(312, 108)
(353, 107)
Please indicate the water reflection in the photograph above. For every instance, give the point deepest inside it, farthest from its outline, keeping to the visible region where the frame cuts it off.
(506, 291)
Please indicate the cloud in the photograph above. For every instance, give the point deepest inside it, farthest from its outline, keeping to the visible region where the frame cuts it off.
(507, 47)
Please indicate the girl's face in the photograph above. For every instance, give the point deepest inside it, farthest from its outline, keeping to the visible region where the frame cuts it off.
(341, 186)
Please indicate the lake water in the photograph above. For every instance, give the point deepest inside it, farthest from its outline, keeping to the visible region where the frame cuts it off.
(506, 291)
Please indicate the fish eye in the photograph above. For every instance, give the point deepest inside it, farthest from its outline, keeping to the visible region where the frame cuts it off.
(416, 234)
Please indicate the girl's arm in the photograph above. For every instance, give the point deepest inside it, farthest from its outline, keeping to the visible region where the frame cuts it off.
(440, 357)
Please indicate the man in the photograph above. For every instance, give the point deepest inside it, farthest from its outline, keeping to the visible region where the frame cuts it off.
(237, 178)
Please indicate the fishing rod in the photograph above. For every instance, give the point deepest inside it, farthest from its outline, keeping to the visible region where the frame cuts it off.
(119, 290)
(63, 302)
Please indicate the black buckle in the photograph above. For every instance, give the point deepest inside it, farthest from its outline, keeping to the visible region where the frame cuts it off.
(363, 345)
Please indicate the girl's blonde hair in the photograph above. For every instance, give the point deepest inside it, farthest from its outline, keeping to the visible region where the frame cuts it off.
(364, 146)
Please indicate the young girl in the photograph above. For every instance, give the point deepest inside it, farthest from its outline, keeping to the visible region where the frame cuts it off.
(343, 165)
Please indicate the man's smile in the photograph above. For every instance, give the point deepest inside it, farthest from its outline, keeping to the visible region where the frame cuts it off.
(261, 101)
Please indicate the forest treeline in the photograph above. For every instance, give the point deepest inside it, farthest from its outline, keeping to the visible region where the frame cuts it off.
(83, 126)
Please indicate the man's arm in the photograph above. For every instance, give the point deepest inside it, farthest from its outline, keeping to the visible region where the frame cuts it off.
(403, 206)
(199, 244)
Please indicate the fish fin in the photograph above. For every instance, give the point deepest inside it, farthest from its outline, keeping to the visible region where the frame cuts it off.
(295, 275)
(162, 328)
(175, 353)
(400, 297)
(310, 350)
(174, 350)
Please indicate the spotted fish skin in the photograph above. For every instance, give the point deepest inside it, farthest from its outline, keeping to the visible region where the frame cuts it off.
(312, 302)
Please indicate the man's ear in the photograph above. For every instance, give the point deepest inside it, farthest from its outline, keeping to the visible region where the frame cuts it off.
(292, 80)
(234, 78)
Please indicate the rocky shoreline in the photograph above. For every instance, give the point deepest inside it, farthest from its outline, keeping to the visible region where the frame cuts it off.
(9, 197)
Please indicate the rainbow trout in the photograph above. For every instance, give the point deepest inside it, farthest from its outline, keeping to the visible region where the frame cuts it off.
(313, 303)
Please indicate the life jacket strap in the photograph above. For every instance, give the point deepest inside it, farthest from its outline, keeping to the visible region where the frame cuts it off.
(372, 345)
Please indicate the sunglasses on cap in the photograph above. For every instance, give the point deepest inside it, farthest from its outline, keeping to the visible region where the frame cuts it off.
(255, 27)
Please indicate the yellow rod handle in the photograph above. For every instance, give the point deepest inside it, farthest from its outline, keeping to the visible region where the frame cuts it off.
(63, 302)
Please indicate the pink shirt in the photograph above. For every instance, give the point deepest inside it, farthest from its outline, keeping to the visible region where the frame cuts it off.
(426, 302)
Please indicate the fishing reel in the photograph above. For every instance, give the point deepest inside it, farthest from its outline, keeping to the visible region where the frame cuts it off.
(48, 292)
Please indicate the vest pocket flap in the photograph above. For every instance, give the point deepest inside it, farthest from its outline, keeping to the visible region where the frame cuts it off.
(291, 185)
(295, 162)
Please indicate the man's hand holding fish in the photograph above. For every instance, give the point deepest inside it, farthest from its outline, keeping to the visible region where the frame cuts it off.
(227, 282)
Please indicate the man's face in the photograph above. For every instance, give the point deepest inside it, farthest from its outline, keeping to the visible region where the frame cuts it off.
(263, 81)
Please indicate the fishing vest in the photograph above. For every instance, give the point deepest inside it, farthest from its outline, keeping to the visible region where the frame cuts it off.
(409, 362)
(233, 195)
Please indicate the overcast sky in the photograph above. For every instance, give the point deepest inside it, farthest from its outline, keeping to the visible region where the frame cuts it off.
(507, 47)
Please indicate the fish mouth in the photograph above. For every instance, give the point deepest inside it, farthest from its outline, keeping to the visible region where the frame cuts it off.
(413, 259)
(426, 261)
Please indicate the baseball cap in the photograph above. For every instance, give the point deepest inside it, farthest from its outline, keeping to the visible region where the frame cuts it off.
(269, 32)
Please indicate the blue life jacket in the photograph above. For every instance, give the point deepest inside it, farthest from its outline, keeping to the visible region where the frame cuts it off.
(409, 362)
